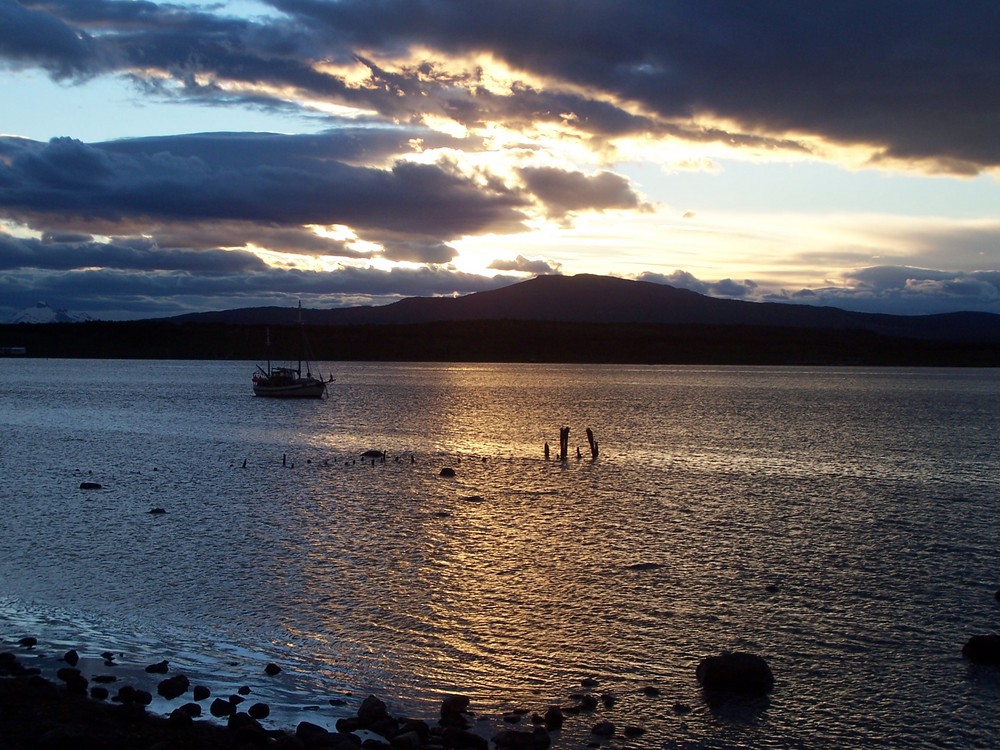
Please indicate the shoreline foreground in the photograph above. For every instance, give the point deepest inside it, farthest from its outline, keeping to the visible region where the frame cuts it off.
(74, 712)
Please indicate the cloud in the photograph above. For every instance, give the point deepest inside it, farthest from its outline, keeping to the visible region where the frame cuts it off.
(521, 264)
(123, 293)
(686, 280)
(563, 191)
(31, 37)
(777, 75)
(898, 289)
(267, 179)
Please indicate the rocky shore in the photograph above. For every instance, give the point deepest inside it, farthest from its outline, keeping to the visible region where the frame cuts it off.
(92, 704)
(99, 711)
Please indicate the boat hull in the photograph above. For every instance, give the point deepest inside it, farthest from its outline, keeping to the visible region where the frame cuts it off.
(294, 390)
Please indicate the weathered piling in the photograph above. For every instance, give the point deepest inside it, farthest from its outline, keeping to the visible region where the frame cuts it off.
(563, 443)
(593, 444)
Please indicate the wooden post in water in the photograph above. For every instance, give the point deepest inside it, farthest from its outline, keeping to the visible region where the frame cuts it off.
(593, 444)
(546, 451)
(563, 443)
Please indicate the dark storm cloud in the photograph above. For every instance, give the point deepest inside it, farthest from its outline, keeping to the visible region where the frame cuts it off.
(128, 294)
(267, 179)
(30, 37)
(137, 254)
(916, 80)
(563, 191)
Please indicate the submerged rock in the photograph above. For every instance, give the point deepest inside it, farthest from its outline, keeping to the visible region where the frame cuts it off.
(736, 672)
(447, 471)
(90, 486)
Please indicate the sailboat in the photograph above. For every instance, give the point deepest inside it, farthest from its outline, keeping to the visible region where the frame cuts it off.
(287, 381)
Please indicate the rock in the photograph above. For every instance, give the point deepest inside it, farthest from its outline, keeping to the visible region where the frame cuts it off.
(983, 649)
(996, 595)
(453, 710)
(681, 708)
(588, 702)
(71, 657)
(201, 692)
(603, 729)
(553, 718)
(259, 710)
(311, 734)
(160, 667)
(447, 471)
(735, 672)
(589, 682)
(372, 710)
(125, 695)
(90, 486)
(462, 738)
(220, 708)
(373, 454)
(99, 693)
(408, 741)
(609, 700)
(272, 669)
(29, 641)
(179, 719)
(173, 687)
(244, 690)
(75, 682)
(633, 731)
(652, 692)
(157, 511)
(512, 739)
(772, 588)
(142, 697)
(192, 709)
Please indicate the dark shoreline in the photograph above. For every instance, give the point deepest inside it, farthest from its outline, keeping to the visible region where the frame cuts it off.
(39, 713)
(503, 341)
(115, 708)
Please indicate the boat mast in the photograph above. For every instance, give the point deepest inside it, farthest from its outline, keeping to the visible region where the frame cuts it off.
(302, 338)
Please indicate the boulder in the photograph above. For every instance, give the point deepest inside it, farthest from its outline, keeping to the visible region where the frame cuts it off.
(983, 649)
(272, 669)
(160, 667)
(259, 711)
(447, 471)
(512, 739)
(372, 710)
(453, 710)
(220, 708)
(173, 687)
(735, 672)
(89, 486)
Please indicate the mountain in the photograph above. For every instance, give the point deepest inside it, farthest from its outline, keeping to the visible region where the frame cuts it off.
(42, 313)
(587, 298)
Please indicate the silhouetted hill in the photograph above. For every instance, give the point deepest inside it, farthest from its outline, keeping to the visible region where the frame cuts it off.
(601, 299)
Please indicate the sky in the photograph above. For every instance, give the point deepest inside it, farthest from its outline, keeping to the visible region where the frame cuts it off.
(164, 158)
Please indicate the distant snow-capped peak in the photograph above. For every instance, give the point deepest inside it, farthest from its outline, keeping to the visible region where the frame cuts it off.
(42, 313)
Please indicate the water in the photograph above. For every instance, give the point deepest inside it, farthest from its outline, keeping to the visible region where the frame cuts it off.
(866, 496)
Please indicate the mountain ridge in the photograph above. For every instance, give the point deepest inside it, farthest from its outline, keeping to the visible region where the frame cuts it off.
(587, 298)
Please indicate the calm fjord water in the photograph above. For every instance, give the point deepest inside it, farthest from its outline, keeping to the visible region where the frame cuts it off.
(868, 497)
